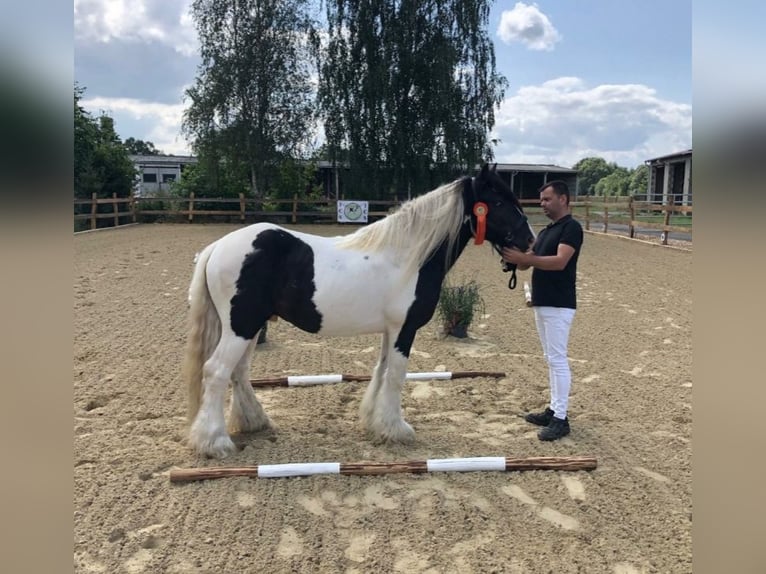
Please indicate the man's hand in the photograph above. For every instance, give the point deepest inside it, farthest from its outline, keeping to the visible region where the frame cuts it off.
(526, 260)
(516, 256)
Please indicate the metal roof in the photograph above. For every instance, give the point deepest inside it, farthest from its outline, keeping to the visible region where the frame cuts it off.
(163, 159)
(540, 167)
(671, 156)
(529, 167)
(537, 167)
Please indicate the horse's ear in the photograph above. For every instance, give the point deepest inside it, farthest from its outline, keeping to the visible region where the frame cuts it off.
(494, 168)
(484, 169)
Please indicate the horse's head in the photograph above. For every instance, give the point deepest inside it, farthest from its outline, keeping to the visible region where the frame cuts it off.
(505, 224)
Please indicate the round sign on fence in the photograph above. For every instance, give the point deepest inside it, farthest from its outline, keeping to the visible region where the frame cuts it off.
(664, 236)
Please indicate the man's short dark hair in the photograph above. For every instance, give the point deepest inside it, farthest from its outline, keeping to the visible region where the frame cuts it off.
(559, 188)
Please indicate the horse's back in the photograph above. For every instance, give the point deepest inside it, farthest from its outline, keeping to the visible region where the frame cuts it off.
(309, 280)
(244, 236)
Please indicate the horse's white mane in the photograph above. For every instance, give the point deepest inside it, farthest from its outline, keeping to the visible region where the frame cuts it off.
(417, 228)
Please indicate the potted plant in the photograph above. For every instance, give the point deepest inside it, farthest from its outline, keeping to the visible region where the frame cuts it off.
(457, 306)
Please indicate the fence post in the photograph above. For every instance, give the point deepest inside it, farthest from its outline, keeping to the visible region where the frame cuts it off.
(632, 209)
(606, 216)
(191, 206)
(93, 210)
(115, 210)
(668, 211)
(132, 206)
(242, 207)
(295, 207)
(587, 214)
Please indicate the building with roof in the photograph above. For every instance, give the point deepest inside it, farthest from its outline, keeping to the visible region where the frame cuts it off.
(156, 173)
(670, 178)
(524, 179)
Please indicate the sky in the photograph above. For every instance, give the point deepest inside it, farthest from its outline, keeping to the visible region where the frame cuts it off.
(588, 78)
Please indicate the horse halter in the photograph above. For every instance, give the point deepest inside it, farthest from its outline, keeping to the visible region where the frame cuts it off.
(480, 211)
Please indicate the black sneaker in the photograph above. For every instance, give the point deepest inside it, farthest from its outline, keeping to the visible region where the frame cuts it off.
(555, 430)
(540, 419)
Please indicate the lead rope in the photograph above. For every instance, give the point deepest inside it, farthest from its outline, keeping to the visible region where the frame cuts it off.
(506, 268)
(512, 280)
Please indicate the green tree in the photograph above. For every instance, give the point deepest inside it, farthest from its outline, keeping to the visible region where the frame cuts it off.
(211, 176)
(85, 140)
(294, 177)
(101, 162)
(639, 180)
(616, 183)
(408, 86)
(590, 171)
(140, 147)
(252, 103)
(116, 170)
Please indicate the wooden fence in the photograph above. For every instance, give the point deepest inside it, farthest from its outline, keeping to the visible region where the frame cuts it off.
(636, 215)
(115, 214)
(131, 209)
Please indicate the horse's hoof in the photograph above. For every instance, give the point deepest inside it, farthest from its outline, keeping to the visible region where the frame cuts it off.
(251, 426)
(401, 433)
(218, 447)
(221, 447)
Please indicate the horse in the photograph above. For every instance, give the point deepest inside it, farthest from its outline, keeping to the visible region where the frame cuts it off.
(385, 277)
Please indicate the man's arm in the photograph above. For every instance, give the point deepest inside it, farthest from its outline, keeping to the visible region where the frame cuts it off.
(526, 260)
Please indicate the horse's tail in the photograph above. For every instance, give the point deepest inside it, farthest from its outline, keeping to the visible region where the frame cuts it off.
(204, 331)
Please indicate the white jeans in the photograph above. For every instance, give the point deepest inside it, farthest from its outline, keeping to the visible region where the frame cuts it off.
(553, 325)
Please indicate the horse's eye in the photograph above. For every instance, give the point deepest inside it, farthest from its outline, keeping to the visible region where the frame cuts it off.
(498, 204)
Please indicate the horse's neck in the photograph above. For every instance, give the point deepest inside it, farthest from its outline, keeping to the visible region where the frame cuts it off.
(462, 240)
(439, 260)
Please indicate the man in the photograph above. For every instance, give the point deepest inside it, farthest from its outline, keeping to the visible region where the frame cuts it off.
(553, 258)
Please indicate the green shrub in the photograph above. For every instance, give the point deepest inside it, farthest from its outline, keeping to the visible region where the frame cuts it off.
(458, 304)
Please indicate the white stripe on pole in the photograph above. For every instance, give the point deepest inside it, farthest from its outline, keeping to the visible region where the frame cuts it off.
(428, 376)
(303, 380)
(466, 464)
(527, 294)
(297, 469)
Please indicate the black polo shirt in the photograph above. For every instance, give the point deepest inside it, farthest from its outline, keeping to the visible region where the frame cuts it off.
(557, 288)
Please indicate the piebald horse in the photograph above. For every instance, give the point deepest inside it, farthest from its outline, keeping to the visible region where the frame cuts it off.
(384, 278)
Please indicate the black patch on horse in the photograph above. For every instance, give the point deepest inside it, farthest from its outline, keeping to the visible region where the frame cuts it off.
(427, 290)
(277, 278)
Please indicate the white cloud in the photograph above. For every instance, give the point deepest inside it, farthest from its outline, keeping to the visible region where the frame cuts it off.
(158, 123)
(147, 21)
(528, 25)
(161, 122)
(563, 120)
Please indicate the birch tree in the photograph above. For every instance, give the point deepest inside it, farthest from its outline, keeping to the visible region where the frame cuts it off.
(253, 99)
(408, 90)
